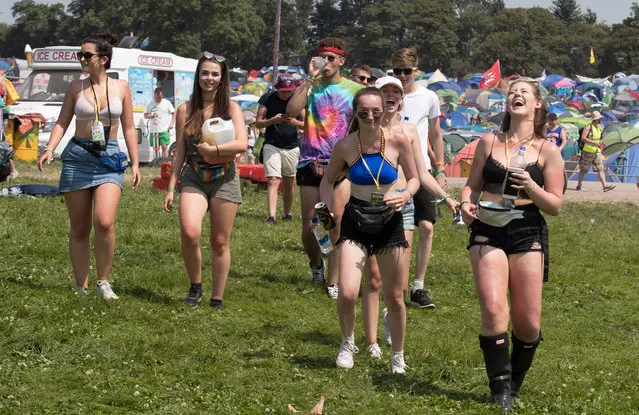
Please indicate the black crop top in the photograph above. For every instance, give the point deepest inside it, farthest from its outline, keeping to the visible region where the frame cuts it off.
(494, 172)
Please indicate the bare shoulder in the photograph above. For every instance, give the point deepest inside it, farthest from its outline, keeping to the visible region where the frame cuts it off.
(235, 106)
(184, 107)
(122, 84)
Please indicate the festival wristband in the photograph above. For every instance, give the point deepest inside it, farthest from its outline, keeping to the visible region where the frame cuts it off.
(439, 163)
(462, 204)
(170, 190)
(439, 173)
(442, 199)
(49, 148)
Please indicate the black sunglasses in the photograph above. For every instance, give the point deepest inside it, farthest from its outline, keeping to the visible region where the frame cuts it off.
(330, 58)
(364, 114)
(217, 58)
(364, 78)
(405, 71)
(86, 55)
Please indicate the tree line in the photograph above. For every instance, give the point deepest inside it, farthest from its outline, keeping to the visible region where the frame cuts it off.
(456, 36)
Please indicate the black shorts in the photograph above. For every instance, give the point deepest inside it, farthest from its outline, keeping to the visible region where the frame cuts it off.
(520, 235)
(391, 236)
(424, 206)
(306, 176)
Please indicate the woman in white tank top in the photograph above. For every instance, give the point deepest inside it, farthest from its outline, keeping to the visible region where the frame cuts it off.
(91, 190)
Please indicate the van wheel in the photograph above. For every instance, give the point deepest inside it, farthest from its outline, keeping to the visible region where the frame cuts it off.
(172, 150)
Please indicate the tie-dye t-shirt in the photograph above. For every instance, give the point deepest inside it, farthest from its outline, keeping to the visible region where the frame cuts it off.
(328, 113)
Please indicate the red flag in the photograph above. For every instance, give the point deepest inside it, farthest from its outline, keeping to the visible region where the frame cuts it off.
(491, 76)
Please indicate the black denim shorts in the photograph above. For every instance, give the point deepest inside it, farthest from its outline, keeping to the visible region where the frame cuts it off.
(528, 234)
(391, 236)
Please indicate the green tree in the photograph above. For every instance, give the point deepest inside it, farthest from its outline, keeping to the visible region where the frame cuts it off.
(37, 24)
(567, 11)
(432, 32)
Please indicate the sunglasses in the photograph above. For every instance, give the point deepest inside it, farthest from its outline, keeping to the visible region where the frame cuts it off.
(364, 114)
(364, 78)
(86, 55)
(405, 71)
(330, 58)
(217, 58)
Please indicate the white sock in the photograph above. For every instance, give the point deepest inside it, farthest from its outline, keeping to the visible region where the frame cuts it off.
(349, 339)
(418, 285)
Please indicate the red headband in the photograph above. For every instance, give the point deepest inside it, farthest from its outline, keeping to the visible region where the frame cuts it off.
(331, 49)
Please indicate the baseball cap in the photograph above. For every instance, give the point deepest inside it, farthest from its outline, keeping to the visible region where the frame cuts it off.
(386, 80)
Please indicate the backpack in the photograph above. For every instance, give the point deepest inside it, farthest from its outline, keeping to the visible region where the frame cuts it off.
(580, 142)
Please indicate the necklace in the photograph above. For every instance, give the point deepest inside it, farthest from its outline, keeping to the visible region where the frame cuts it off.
(361, 155)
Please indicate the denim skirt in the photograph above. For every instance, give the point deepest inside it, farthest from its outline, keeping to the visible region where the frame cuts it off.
(82, 170)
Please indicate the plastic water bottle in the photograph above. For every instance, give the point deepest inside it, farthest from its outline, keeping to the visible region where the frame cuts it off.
(321, 235)
(516, 165)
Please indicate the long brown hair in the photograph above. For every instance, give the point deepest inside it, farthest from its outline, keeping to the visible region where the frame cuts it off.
(541, 113)
(221, 102)
(369, 90)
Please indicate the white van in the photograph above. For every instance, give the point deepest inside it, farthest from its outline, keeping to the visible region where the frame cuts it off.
(55, 67)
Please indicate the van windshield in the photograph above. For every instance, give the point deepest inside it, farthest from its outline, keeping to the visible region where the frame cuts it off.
(47, 85)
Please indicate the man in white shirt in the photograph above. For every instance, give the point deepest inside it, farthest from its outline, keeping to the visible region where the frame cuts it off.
(421, 108)
(162, 115)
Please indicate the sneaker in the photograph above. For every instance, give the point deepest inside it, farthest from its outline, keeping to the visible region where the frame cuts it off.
(194, 297)
(271, 220)
(345, 356)
(420, 299)
(375, 351)
(287, 217)
(579, 188)
(609, 187)
(398, 367)
(332, 291)
(318, 273)
(217, 304)
(387, 336)
(105, 290)
(81, 291)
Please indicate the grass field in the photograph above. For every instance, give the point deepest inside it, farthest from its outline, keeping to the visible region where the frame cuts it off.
(276, 342)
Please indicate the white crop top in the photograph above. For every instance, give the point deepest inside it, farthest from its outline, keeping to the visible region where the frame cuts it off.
(85, 110)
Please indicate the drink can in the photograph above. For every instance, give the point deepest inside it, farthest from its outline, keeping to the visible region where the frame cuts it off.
(324, 216)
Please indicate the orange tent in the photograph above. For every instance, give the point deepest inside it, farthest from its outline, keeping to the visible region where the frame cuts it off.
(460, 167)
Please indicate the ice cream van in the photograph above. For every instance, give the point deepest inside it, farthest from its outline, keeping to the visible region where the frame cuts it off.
(55, 67)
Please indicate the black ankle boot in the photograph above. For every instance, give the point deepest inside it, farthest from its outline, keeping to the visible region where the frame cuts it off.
(497, 361)
(522, 357)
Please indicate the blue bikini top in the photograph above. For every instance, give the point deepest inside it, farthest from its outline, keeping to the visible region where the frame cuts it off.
(372, 168)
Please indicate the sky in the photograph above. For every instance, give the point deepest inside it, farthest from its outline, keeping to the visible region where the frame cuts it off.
(610, 11)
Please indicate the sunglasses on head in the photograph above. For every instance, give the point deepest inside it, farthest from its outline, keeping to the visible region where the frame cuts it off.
(217, 58)
(284, 83)
(364, 114)
(86, 55)
(330, 58)
(405, 71)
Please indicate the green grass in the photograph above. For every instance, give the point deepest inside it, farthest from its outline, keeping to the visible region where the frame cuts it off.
(276, 341)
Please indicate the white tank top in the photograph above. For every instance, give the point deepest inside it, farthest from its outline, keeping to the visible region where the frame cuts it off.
(85, 110)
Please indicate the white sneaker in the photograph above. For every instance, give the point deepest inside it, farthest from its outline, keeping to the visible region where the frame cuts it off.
(375, 351)
(105, 290)
(398, 367)
(345, 356)
(332, 291)
(387, 336)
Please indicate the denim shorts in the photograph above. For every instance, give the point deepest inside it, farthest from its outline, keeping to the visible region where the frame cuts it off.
(82, 170)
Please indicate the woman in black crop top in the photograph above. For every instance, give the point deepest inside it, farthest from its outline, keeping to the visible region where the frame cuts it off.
(509, 247)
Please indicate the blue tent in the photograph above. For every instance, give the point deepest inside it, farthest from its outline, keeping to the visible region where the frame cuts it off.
(436, 86)
(457, 120)
(551, 79)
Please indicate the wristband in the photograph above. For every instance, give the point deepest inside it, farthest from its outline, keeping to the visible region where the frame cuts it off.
(462, 204)
(442, 199)
(171, 190)
(49, 148)
(439, 173)
(532, 189)
(439, 163)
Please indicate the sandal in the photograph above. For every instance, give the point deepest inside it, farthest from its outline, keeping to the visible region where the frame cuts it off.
(609, 188)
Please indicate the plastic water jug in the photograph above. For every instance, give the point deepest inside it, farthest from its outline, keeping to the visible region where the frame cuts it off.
(217, 131)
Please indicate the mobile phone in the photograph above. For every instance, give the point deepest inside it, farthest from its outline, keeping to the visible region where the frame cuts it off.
(509, 191)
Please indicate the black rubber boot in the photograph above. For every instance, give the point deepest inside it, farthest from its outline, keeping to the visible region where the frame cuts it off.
(521, 359)
(497, 361)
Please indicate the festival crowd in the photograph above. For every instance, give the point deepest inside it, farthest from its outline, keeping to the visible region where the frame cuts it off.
(371, 151)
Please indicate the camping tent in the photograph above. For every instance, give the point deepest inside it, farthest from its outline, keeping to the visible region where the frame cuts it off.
(625, 164)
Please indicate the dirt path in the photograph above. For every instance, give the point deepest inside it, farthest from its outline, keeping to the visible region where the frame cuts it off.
(624, 192)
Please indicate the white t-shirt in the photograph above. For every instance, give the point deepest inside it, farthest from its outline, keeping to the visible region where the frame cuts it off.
(164, 109)
(419, 107)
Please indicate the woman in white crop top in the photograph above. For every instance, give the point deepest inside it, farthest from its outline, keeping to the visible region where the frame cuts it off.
(92, 191)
